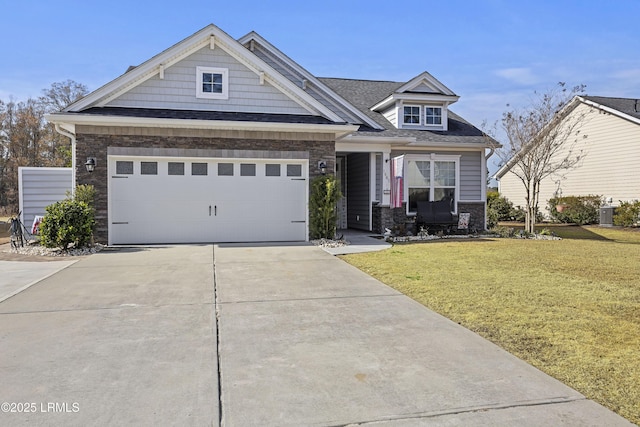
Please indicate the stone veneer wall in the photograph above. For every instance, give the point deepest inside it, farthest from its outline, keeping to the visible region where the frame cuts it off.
(476, 222)
(93, 141)
(385, 217)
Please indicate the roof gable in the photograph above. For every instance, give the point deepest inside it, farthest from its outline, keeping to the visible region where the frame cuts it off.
(176, 89)
(307, 81)
(423, 88)
(425, 83)
(205, 42)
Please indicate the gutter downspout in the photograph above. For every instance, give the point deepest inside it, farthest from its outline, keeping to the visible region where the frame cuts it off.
(72, 137)
(486, 160)
(492, 150)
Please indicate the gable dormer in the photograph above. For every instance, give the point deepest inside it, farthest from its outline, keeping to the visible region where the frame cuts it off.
(420, 104)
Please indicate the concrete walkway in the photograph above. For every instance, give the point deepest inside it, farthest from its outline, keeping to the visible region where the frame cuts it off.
(133, 336)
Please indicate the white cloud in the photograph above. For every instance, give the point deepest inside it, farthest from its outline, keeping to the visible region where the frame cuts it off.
(522, 76)
(629, 74)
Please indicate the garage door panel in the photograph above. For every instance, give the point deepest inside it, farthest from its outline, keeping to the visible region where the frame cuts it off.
(165, 208)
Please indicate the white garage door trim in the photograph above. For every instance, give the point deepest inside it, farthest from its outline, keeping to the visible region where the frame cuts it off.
(251, 205)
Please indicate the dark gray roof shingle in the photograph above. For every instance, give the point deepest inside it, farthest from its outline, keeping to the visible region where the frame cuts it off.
(206, 115)
(364, 94)
(629, 106)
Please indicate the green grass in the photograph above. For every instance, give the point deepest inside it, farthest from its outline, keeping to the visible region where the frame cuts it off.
(571, 307)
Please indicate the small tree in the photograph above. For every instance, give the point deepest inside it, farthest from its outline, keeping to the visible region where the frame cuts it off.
(542, 141)
(325, 193)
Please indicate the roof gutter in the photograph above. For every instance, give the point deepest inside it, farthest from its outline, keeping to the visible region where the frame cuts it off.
(90, 119)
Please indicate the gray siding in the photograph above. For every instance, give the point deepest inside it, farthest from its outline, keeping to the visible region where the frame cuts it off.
(178, 89)
(295, 77)
(471, 178)
(40, 187)
(379, 177)
(358, 203)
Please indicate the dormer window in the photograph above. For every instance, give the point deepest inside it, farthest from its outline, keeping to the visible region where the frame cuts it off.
(212, 83)
(433, 116)
(428, 117)
(411, 115)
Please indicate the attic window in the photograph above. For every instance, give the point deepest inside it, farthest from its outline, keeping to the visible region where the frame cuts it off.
(212, 83)
(433, 116)
(411, 115)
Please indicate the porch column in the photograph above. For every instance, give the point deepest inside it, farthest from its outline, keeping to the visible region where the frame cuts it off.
(386, 178)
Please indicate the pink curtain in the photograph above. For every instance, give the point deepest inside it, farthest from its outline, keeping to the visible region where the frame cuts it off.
(397, 181)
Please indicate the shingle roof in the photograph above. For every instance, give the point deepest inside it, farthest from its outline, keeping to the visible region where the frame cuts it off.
(364, 94)
(206, 115)
(629, 106)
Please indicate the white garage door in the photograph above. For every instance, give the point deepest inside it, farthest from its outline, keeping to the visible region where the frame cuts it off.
(195, 200)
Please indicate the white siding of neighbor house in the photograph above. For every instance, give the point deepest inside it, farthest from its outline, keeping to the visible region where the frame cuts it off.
(178, 89)
(609, 168)
(40, 187)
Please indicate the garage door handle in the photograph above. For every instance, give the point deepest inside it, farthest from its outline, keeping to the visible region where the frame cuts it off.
(215, 210)
(209, 210)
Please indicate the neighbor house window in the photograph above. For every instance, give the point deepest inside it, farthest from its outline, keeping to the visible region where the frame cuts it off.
(212, 83)
(431, 178)
(411, 115)
(433, 116)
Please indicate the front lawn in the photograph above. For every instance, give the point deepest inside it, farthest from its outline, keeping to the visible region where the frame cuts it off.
(570, 307)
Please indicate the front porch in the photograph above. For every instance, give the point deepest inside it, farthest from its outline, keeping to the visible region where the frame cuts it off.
(365, 179)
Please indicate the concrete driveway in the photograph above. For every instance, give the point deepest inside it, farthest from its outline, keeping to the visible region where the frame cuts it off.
(133, 336)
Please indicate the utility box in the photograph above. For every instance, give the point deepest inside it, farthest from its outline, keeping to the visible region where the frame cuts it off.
(606, 216)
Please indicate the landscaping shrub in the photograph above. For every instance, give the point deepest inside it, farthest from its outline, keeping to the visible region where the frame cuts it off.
(627, 214)
(85, 193)
(576, 209)
(67, 222)
(325, 193)
(499, 208)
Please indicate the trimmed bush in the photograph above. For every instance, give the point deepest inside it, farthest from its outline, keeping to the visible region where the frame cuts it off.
(627, 214)
(67, 222)
(579, 210)
(85, 193)
(325, 193)
(499, 208)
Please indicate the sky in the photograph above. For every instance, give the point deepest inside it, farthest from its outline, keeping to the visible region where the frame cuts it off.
(492, 53)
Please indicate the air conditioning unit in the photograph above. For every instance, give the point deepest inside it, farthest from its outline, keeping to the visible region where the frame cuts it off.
(606, 216)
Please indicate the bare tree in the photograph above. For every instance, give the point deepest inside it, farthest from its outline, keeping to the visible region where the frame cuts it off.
(26, 139)
(543, 141)
(62, 94)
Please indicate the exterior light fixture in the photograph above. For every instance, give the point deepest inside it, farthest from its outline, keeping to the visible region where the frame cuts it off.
(90, 164)
(322, 165)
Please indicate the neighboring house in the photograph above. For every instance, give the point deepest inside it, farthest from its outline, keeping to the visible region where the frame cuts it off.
(216, 139)
(610, 149)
